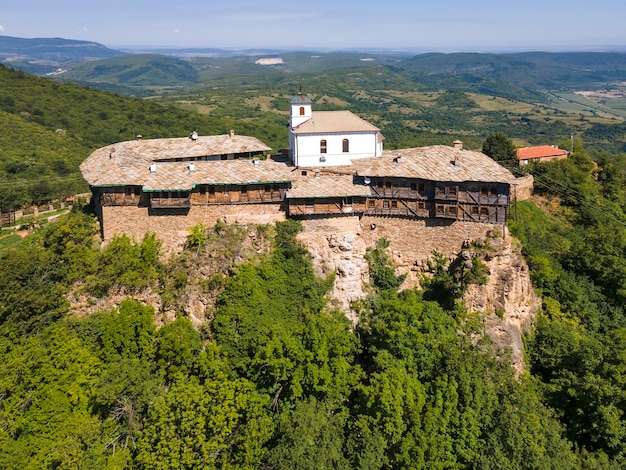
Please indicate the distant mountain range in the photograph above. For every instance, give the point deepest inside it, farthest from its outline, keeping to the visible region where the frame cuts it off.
(43, 55)
(125, 72)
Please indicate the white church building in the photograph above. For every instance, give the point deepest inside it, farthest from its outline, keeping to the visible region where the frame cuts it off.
(329, 138)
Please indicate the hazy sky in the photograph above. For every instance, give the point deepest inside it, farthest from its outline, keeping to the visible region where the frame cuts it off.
(434, 25)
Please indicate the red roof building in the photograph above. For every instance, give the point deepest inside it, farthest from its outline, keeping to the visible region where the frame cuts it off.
(542, 153)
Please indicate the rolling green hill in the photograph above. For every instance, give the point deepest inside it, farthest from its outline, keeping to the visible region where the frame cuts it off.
(48, 128)
(138, 70)
(532, 70)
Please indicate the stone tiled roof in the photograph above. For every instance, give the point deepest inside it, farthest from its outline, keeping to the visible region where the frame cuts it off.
(169, 176)
(325, 122)
(542, 151)
(435, 163)
(129, 162)
(326, 186)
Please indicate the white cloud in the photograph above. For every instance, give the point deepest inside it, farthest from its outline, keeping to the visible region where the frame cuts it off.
(176, 30)
(1, 28)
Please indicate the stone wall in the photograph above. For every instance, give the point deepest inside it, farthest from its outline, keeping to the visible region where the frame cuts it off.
(523, 188)
(173, 229)
(338, 244)
(413, 241)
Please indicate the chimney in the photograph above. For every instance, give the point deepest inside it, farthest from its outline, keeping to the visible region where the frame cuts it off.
(232, 134)
(458, 144)
(194, 135)
(192, 167)
(139, 136)
(153, 168)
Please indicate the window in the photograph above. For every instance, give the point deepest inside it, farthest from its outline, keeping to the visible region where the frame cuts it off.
(244, 190)
(301, 110)
(420, 187)
(385, 204)
(452, 210)
(267, 188)
(203, 189)
(345, 145)
(322, 159)
(474, 210)
(413, 186)
(452, 190)
(309, 203)
(394, 204)
(371, 203)
(494, 191)
(440, 209)
(128, 191)
(211, 190)
(441, 190)
(484, 191)
(484, 211)
(137, 191)
(421, 204)
(322, 146)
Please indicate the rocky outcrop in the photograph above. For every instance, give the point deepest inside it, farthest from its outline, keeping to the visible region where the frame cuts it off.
(336, 245)
(507, 301)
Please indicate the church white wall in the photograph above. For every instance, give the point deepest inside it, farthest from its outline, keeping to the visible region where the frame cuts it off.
(306, 148)
(296, 117)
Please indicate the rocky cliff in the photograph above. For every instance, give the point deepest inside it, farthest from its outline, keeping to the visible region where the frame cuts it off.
(506, 302)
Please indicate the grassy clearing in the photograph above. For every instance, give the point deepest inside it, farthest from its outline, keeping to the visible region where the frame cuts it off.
(9, 241)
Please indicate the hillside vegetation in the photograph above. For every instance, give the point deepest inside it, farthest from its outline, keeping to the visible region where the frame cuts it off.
(50, 128)
(278, 379)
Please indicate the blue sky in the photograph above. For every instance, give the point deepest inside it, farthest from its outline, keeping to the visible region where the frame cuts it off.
(436, 25)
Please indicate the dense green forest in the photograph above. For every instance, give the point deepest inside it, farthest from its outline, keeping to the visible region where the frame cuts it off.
(278, 379)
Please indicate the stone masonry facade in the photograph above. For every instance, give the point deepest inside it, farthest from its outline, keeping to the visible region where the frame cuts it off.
(173, 229)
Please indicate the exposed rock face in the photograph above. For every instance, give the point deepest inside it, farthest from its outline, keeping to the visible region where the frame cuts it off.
(336, 245)
(202, 269)
(507, 301)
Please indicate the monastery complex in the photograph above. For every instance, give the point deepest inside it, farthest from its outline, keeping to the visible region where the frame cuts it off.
(336, 167)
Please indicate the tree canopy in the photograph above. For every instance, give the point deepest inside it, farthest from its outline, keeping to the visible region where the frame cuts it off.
(499, 147)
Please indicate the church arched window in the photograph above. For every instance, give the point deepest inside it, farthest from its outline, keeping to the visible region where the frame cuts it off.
(346, 145)
(301, 110)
